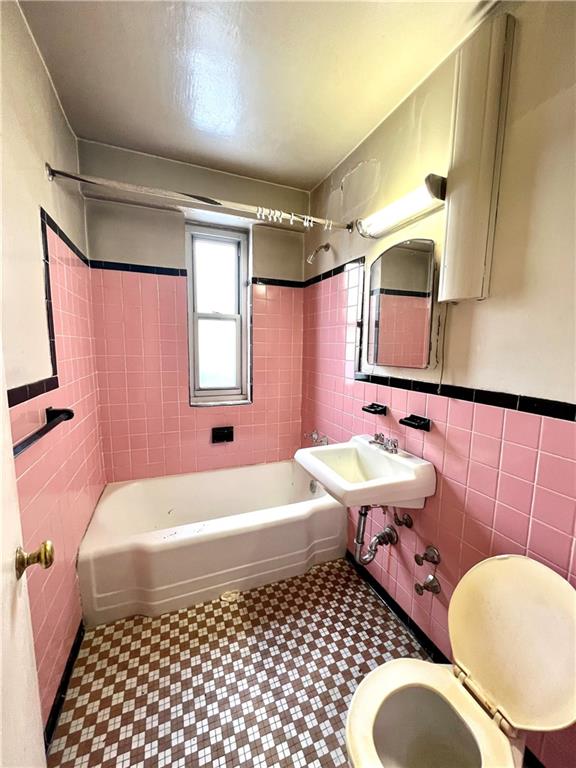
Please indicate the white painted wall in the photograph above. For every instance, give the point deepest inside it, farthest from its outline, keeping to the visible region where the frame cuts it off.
(146, 235)
(523, 338)
(148, 170)
(135, 234)
(34, 131)
(277, 253)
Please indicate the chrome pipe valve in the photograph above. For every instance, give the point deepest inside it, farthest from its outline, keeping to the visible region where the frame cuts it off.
(430, 555)
(430, 584)
(387, 536)
(405, 519)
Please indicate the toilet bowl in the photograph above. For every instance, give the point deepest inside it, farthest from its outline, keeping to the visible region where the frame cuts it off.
(512, 624)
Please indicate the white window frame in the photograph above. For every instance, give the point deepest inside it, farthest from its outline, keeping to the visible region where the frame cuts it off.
(241, 393)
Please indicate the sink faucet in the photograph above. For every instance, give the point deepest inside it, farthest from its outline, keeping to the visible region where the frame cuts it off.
(389, 444)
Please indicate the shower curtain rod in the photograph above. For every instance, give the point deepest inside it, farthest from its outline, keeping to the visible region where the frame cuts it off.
(273, 215)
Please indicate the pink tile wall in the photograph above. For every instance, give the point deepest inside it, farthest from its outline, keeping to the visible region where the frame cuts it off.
(148, 427)
(61, 477)
(506, 480)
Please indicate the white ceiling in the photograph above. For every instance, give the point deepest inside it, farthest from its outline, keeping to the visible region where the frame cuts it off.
(280, 91)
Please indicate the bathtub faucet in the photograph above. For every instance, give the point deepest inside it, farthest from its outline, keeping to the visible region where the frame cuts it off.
(316, 437)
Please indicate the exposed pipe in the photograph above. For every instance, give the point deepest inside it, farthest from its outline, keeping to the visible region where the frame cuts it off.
(387, 536)
(323, 247)
(189, 200)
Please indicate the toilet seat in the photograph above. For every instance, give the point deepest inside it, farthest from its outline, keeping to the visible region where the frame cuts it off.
(512, 626)
(399, 674)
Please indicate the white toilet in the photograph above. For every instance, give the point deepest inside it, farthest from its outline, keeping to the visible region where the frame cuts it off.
(512, 624)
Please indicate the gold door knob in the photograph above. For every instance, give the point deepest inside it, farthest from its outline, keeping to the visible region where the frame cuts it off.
(43, 556)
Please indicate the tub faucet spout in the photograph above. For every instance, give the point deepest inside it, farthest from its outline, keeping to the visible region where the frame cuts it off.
(316, 438)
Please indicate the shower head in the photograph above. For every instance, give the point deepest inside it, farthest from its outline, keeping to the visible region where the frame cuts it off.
(323, 247)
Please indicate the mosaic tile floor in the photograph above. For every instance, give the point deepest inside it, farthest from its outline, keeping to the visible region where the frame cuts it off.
(265, 681)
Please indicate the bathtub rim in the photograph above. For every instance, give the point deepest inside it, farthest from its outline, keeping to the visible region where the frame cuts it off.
(215, 528)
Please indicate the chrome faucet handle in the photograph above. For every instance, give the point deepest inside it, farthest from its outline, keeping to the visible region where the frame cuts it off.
(392, 445)
(379, 439)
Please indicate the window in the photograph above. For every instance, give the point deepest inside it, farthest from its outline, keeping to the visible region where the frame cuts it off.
(217, 261)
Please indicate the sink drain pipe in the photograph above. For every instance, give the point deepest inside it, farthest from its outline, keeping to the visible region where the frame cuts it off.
(387, 536)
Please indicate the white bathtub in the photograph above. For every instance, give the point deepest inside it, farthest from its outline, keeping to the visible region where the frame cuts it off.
(166, 543)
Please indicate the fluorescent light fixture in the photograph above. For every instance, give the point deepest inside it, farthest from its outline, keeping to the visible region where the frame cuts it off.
(414, 206)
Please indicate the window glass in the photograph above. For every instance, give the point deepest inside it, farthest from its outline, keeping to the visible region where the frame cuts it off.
(216, 275)
(217, 353)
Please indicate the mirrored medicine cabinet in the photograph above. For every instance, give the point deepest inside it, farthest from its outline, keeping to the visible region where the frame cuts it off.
(400, 305)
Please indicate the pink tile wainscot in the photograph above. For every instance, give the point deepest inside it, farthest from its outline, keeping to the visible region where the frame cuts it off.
(506, 480)
(61, 477)
(148, 426)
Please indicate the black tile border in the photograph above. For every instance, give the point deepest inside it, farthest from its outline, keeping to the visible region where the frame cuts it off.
(311, 280)
(48, 294)
(121, 266)
(114, 265)
(18, 395)
(63, 236)
(437, 656)
(553, 408)
(21, 394)
(398, 292)
(56, 708)
(429, 646)
(333, 272)
(277, 281)
(539, 406)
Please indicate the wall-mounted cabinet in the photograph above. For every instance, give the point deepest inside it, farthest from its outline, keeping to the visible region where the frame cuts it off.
(400, 305)
(479, 115)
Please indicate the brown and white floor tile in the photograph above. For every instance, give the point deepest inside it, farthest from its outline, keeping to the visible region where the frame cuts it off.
(262, 682)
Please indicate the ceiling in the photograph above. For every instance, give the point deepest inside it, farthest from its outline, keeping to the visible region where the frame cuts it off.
(280, 91)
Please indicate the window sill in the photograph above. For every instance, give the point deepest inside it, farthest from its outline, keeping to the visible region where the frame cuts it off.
(218, 403)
